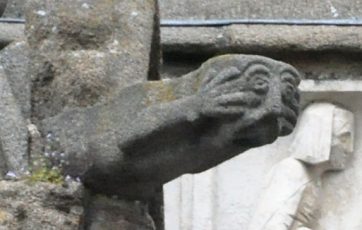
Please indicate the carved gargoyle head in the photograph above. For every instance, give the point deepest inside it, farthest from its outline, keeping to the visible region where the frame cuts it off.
(258, 95)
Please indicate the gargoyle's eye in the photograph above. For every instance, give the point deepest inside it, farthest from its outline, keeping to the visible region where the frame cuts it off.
(259, 82)
(261, 85)
(290, 84)
(258, 78)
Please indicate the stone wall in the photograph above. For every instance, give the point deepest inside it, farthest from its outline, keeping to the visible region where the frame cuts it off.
(14, 9)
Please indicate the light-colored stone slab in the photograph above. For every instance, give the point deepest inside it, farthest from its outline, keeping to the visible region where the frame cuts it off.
(289, 9)
(331, 86)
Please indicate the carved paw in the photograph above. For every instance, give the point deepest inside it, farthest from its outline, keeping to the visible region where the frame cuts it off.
(223, 94)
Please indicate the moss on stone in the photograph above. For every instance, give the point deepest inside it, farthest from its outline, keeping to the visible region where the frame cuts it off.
(4, 216)
(44, 174)
(159, 92)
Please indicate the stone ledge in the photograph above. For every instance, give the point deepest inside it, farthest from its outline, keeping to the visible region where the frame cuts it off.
(340, 92)
(328, 86)
(242, 38)
(262, 39)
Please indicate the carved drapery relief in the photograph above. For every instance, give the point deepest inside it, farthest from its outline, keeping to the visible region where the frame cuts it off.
(323, 142)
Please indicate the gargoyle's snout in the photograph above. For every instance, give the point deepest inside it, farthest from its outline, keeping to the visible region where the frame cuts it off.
(288, 116)
(286, 112)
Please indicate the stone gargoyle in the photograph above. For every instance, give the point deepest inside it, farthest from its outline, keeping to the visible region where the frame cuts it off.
(155, 131)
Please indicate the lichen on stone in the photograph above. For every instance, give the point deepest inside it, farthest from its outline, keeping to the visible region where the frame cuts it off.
(159, 92)
(53, 175)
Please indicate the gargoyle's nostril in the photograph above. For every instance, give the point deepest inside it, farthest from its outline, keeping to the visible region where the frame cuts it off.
(277, 109)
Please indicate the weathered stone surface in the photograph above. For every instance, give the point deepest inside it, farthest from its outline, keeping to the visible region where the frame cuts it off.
(2, 6)
(261, 39)
(84, 52)
(14, 59)
(124, 147)
(214, 9)
(15, 109)
(277, 9)
(13, 131)
(14, 9)
(10, 32)
(113, 214)
(40, 206)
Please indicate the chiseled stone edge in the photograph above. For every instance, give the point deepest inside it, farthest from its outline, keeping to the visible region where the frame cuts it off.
(261, 38)
(241, 38)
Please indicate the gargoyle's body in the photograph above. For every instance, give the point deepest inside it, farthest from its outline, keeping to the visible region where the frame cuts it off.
(156, 131)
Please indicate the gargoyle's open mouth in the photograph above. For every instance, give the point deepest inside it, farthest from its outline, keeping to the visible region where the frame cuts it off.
(263, 131)
(285, 126)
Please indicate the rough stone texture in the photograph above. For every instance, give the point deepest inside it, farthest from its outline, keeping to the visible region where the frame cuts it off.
(112, 214)
(83, 53)
(14, 59)
(288, 9)
(319, 52)
(211, 9)
(14, 9)
(13, 132)
(77, 48)
(40, 206)
(15, 109)
(3, 6)
(10, 32)
(261, 38)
